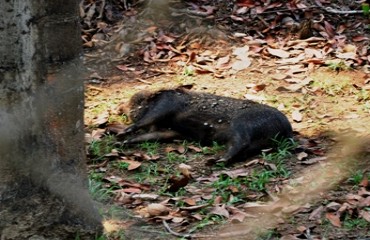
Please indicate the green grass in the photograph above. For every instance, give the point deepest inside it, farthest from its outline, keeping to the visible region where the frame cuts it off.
(121, 165)
(356, 177)
(210, 219)
(151, 148)
(223, 187)
(99, 148)
(98, 191)
(149, 173)
(269, 235)
(358, 223)
(337, 65)
(214, 149)
(173, 157)
(259, 178)
(333, 87)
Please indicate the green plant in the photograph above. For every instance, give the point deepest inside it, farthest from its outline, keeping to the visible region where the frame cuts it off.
(188, 71)
(363, 95)
(283, 150)
(98, 192)
(358, 223)
(174, 157)
(258, 180)
(356, 177)
(210, 219)
(214, 149)
(150, 147)
(332, 87)
(223, 187)
(123, 118)
(122, 165)
(148, 174)
(269, 235)
(337, 65)
(96, 176)
(99, 148)
(365, 8)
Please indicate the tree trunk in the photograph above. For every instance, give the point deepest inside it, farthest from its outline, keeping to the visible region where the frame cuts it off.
(43, 187)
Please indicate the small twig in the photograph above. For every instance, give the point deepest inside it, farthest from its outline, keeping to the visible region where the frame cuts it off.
(167, 227)
(332, 10)
(143, 81)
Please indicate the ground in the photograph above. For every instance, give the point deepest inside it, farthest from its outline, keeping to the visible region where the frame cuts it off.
(314, 188)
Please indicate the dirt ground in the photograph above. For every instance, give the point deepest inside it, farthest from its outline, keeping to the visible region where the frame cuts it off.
(324, 119)
(326, 194)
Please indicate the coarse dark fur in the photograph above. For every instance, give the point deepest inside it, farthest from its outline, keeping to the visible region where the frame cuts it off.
(244, 126)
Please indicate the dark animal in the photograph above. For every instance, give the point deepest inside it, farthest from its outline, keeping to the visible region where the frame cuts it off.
(244, 126)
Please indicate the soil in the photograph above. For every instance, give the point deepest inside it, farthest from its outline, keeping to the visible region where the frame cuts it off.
(35, 214)
(329, 111)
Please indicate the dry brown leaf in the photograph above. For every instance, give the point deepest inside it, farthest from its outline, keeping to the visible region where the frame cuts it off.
(329, 29)
(190, 201)
(278, 52)
(279, 76)
(178, 219)
(334, 219)
(297, 116)
(302, 155)
(97, 134)
(157, 209)
(131, 190)
(316, 214)
(223, 62)
(234, 173)
(359, 38)
(195, 149)
(364, 182)
(333, 206)
(178, 182)
(241, 64)
(365, 215)
(301, 229)
(101, 119)
(221, 211)
(132, 164)
(185, 170)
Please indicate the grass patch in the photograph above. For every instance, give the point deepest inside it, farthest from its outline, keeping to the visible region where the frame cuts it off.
(99, 148)
(98, 191)
(358, 223)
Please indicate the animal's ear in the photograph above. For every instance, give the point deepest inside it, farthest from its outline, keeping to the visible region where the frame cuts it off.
(185, 87)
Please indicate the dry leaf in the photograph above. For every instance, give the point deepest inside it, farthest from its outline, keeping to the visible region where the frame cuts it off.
(296, 116)
(365, 215)
(278, 52)
(132, 164)
(316, 214)
(239, 65)
(334, 219)
(190, 201)
(156, 209)
(302, 155)
(221, 211)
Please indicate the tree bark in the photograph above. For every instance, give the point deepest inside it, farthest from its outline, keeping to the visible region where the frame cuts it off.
(43, 183)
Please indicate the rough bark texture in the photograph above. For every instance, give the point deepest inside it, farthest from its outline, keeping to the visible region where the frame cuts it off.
(42, 170)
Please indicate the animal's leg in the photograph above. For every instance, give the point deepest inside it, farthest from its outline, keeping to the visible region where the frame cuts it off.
(237, 144)
(154, 136)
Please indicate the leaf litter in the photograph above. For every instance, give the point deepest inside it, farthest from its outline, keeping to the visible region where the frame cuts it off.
(110, 32)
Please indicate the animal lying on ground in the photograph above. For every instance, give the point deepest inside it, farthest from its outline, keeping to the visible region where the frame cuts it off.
(244, 126)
